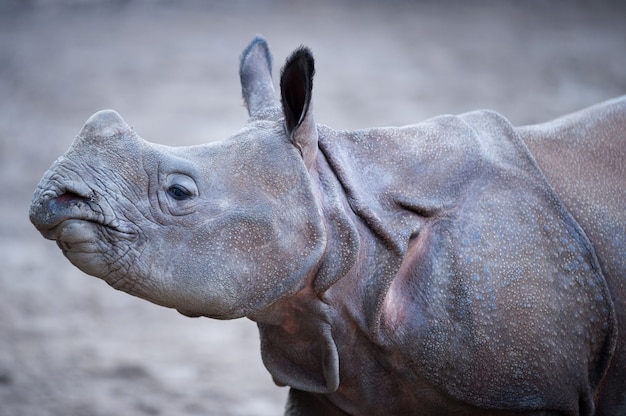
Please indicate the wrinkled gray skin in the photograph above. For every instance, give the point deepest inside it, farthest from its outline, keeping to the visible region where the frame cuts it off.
(456, 266)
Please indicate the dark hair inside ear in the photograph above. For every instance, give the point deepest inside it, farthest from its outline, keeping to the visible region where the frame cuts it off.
(294, 97)
(296, 85)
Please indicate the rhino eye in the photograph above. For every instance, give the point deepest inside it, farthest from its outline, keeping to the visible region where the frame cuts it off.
(179, 188)
(179, 192)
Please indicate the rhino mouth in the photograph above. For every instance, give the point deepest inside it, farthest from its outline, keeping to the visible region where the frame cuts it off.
(74, 219)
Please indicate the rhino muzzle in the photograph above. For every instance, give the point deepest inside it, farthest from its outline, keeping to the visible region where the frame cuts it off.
(49, 213)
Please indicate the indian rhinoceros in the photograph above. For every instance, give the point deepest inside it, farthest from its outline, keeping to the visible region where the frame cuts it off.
(457, 266)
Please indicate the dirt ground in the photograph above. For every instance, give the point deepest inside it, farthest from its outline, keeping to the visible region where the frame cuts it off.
(72, 346)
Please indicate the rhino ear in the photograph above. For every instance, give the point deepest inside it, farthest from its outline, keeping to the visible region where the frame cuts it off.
(255, 74)
(296, 87)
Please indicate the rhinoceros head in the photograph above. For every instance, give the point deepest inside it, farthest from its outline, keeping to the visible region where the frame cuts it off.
(220, 230)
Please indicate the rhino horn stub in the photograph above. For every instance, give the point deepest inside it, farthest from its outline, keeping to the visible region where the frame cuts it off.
(296, 88)
(255, 73)
(105, 123)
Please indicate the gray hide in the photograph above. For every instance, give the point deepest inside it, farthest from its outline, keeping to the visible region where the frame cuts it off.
(439, 268)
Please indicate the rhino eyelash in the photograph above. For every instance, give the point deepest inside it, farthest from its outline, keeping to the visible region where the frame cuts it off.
(179, 192)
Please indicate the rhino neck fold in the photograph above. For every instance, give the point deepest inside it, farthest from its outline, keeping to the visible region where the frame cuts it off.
(362, 229)
(343, 242)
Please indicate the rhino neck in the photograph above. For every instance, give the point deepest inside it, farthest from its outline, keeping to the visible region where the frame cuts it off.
(346, 243)
(303, 335)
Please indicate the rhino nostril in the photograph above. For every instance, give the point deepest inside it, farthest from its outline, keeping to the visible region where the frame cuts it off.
(67, 197)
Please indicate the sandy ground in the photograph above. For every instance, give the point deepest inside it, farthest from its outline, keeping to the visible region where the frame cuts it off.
(69, 344)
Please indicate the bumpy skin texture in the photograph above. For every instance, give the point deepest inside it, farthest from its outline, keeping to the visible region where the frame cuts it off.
(457, 266)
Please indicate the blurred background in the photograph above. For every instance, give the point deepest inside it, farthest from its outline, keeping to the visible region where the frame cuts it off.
(69, 344)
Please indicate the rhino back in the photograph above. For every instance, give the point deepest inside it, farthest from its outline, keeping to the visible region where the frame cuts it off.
(583, 156)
